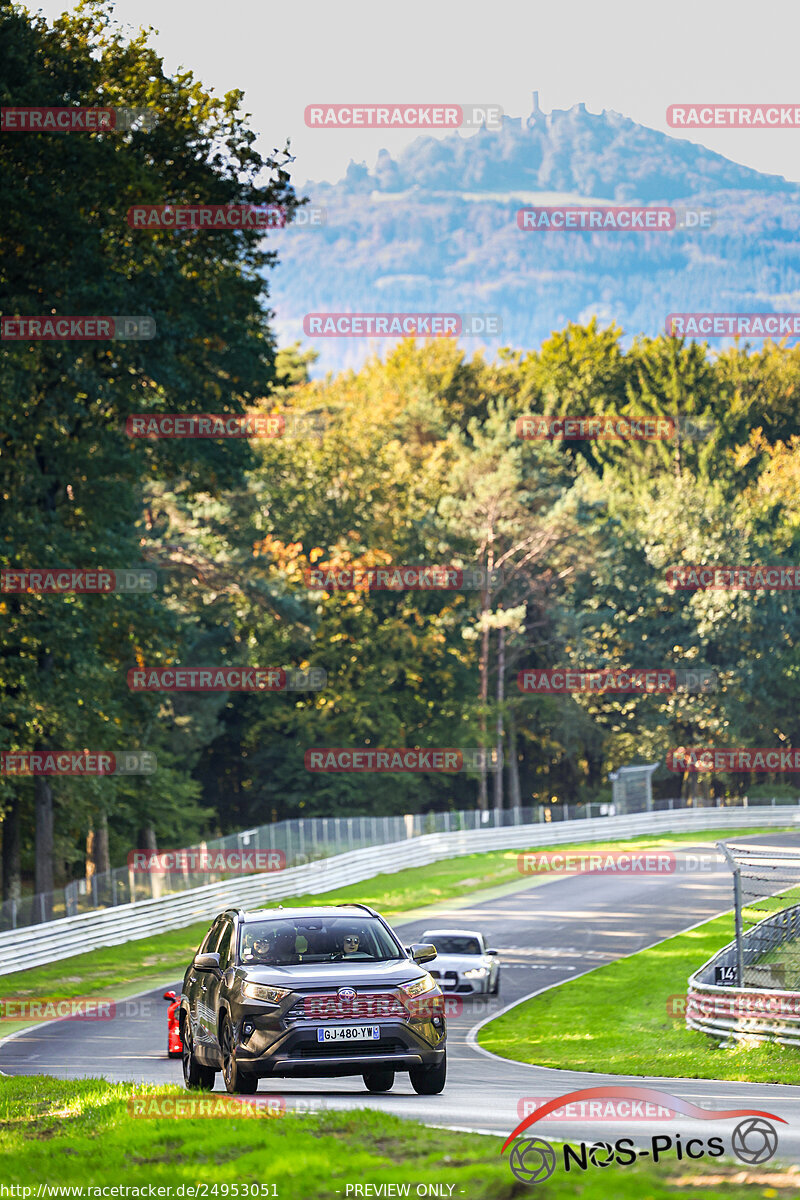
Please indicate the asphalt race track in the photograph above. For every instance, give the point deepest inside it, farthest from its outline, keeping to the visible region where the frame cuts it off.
(546, 933)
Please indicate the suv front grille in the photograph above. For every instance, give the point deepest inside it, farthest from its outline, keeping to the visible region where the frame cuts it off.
(328, 1006)
(342, 1049)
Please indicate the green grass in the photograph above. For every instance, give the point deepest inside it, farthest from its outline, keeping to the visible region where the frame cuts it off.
(81, 1133)
(614, 1019)
(119, 971)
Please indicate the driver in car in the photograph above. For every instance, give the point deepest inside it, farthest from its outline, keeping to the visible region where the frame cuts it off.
(351, 946)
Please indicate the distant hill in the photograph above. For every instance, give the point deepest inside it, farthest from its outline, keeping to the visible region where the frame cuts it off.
(436, 230)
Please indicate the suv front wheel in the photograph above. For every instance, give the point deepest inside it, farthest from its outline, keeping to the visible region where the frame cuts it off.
(235, 1081)
(195, 1076)
(379, 1081)
(429, 1081)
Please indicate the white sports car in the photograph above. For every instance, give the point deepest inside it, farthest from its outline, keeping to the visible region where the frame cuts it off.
(463, 964)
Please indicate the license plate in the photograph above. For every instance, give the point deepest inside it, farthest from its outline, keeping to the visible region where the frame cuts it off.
(348, 1033)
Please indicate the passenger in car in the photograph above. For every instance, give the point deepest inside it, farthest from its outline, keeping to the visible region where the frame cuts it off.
(262, 951)
(284, 950)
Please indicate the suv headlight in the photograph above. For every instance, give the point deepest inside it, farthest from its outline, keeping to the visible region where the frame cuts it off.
(257, 991)
(476, 973)
(426, 984)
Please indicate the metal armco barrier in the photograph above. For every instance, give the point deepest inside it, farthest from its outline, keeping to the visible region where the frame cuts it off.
(763, 1013)
(38, 944)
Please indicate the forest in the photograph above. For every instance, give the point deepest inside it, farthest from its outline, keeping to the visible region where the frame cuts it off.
(415, 460)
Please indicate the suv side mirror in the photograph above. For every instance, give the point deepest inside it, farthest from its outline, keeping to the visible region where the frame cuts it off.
(422, 952)
(170, 996)
(491, 952)
(207, 962)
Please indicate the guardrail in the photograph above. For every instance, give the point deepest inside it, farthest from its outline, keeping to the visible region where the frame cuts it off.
(69, 936)
(762, 1013)
(299, 841)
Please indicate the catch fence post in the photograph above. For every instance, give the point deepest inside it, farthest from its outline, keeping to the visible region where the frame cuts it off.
(737, 908)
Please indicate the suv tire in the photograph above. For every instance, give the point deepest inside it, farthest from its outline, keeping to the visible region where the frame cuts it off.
(379, 1081)
(196, 1077)
(429, 1081)
(235, 1081)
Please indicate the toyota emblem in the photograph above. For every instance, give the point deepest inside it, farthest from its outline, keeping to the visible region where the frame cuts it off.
(346, 994)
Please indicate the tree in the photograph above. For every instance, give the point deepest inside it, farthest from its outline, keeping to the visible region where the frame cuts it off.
(502, 511)
(71, 480)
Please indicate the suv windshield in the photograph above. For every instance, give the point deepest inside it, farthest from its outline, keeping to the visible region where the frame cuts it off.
(289, 941)
(454, 945)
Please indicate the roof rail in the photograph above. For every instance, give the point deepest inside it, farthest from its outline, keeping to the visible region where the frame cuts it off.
(355, 904)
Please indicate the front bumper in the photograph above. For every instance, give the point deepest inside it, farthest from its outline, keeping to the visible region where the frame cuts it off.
(274, 1049)
(454, 984)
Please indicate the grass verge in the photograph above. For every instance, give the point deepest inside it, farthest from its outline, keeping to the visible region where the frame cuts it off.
(81, 1133)
(615, 1020)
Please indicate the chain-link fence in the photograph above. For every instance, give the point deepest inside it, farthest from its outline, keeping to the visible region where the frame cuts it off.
(766, 892)
(299, 841)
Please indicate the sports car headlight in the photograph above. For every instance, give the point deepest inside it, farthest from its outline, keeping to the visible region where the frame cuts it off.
(426, 984)
(257, 991)
(476, 973)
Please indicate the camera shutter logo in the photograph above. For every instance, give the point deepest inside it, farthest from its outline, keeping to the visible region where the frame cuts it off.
(533, 1160)
(754, 1140)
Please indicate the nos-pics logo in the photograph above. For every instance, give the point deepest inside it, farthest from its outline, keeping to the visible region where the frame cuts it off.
(533, 1160)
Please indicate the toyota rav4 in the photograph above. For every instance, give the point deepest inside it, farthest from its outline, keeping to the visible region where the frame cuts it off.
(311, 992)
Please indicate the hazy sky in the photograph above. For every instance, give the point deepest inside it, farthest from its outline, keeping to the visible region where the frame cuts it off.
(634, 57)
